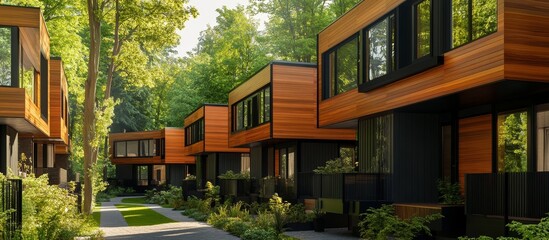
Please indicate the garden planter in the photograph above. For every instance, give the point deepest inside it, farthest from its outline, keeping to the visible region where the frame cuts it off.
(234, 187)
(188, 188)
(319, 224)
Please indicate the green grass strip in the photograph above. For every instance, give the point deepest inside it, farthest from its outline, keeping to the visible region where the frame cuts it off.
(138, 215)
(140, 200)
(96, 215)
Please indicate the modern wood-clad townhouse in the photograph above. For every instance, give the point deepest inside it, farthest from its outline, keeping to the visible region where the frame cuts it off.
(150, 158)
(27, 103)
(51, 153)
(274, 113)
(448, 89)
(206, 139)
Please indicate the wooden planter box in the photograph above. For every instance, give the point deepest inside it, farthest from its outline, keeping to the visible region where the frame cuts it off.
(451, 225)
(234, 187)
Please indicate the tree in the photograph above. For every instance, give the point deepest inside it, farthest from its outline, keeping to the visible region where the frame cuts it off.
(142, 26)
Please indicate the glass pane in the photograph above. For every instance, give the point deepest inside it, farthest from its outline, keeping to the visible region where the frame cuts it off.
(245, 162)
(239, 116)
(377, 49)
(143, 148)
(291, 162)
(485, 20)
(5, 56)
(332, 72)
(347, 66)
(267, 104)
(513, 142)
(261, 106)
(460, 22)
(283, 163)
(132, 147)
(152, 148)
(120, 148)
(246, 112)
(542, 132)
(423, 28)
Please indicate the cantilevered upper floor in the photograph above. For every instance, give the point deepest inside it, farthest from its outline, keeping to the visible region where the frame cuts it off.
(206, 131)
(383, 55)
(151, 147)
(24, 70)
(279, 102)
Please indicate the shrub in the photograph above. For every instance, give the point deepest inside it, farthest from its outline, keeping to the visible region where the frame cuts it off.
(279, 209)
(256, 233)
(50, 212)
(337, 165)
(297, 214)
(212, 193)
(380, 223)
(264, 220)
(255, 207)
(190, 177)
(525, 231)
(232, 175)
(449, 192)
(236, 226)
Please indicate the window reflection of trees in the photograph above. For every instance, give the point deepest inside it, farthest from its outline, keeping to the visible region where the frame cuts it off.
(423, 28)
(472, 19)
(513, 142)
(5, 56)
(347, 66)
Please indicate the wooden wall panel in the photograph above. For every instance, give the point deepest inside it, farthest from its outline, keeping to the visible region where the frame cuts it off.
(12, 102)
(113, 137)
(475, 64)
(259, 80)
(193, 149)
(138, 161)
(20, 16)
(175, 143)
(244, 138)
(58, 83)
(196, 115)
(217, 130)
(526, 39)
(295, 106)
(475, 146)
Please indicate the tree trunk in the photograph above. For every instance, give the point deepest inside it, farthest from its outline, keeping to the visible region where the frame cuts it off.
(90, 151)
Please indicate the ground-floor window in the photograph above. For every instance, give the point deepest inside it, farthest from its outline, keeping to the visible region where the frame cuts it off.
(142, 175)
(512, 145)
(542, 131)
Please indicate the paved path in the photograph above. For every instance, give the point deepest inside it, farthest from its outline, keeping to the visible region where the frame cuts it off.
(115, 227)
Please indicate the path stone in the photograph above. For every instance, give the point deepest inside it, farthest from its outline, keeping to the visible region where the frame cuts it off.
(184, 228)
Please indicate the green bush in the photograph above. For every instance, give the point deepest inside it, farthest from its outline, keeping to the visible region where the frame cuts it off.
(297, 214)
(264, 219)
(337, 165)
(50, 212)
(449, 192)
(380, 223)
(236, 226)
(525, 231)
(232, 175)
(279, 209)
(256, 233)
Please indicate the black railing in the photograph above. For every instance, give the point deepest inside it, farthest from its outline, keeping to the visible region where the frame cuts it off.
(12, 196)
(520, 195)
(234, 187)
(355, 186)
(284, 187)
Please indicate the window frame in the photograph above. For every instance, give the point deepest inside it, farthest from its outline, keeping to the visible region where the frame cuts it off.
(250, 114)
(139, 148)
(328, 65)
(195, 132)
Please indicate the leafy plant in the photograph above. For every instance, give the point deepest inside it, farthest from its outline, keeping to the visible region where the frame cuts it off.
(449, 192)
(525, 231)
(212, 193)
(279, 209)
(380, 223)
(297, 214)
(232, 175)
(256, 233)
(190, 177)
(337, 165)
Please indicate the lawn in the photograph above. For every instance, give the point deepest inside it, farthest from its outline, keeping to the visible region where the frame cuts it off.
(138, 215)
(96, 215)
(140, 200)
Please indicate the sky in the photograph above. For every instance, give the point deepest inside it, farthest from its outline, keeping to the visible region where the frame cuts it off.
(207, 14)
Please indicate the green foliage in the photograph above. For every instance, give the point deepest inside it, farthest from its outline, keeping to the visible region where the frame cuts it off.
(231, 175)
(237, 226)
(531, 231)
(512, 142)
(190, 177)
(380, 223)
(297, 214)
(449, 192)
(50, 212)
(337, 165)
(212, 193)
(256, 233)
(279, 209)
(172, 196)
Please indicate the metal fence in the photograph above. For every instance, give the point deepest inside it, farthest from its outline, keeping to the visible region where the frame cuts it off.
(522, 195)
(11, 204)
(354, 186)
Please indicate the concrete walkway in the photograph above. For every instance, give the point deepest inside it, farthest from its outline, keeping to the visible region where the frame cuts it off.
(115, 227)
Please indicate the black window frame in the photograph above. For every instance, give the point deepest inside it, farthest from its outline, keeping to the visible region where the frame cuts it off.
(158, 150)
(327, 83)
(448, 33)
(251, 105)
(44, 87)
(195, 132)
(14, 51)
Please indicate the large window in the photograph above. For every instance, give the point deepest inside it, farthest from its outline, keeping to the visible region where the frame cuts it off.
(195, 132)
(472, 19)
(341, 67)
(253, 110)
(513, 142)
(287, 162)
(380, 48)
(137, 148)
(5, 56)
(542, 132)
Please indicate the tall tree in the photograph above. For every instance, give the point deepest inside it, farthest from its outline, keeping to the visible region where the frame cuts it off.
(142, 26)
